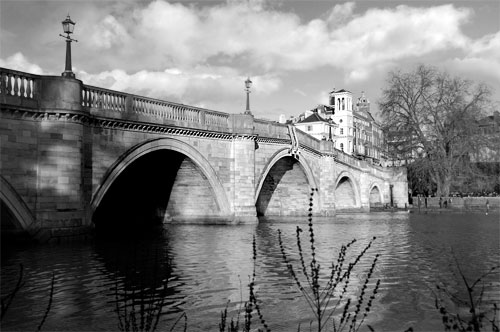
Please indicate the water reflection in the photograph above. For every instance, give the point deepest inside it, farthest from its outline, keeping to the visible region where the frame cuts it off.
(208, 265)
(144, 285)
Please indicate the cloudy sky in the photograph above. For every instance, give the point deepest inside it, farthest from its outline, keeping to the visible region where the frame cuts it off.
(295, 51)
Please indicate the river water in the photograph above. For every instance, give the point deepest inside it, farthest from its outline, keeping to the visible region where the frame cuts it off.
(207, 266)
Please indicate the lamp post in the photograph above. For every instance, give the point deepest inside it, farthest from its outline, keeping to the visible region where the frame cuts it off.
(248, 85)
(68, 27)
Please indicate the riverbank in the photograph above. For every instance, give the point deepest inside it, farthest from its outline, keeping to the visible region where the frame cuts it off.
(456, 204)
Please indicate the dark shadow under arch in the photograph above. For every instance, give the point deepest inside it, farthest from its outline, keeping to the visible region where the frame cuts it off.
(375, 197)
(155, 183)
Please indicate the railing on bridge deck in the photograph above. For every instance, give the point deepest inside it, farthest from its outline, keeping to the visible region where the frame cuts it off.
(100, 98)
(267, 128)
(309, 141)
(103, 99)
(18, 84)
(349, 160)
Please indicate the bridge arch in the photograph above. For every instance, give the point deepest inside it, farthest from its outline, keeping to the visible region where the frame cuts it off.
(23, 219)
(284, 186)
(347, 193)
(171, 144)
(376, 198)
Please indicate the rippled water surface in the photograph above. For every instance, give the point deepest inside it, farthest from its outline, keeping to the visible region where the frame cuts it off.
(209, 265)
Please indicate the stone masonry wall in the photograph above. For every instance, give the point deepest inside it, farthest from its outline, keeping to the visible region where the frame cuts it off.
(191, 194)
(19, 157)
(285, 191)
(243, 179)
(42, 159)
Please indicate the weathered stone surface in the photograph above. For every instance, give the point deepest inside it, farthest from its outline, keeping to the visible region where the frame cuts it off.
(60, 157)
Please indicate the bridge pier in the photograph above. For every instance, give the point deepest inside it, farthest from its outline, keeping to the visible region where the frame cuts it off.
(242, 172)
(52, 176)
(64, 160)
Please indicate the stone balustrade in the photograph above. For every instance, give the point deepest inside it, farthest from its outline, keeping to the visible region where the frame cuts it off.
(18, 84)
(93, 97)
(108, 100)
(349, 160)
(266, 128)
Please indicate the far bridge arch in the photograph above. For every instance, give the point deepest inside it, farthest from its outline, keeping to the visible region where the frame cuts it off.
(172, 168)
(375, 195)
(284, 186)
(347, 194)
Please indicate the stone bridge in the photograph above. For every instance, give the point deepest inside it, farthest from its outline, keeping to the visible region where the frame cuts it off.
(74, 157)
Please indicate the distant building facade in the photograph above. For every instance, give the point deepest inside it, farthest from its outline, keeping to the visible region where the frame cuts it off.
(350, 125)
(489, 128)
(317, 123)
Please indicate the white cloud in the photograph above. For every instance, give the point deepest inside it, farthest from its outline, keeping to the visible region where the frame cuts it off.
(109, 33)
(299, 92)
(19, 62)
(482, 57)
(383, 36)
(340, 14)
(201, 86)
(163, 34)
(480, 62)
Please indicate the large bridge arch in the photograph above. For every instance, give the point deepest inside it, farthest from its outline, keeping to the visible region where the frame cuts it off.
(22, 216)
(347, 192)
(171, 144)
(295, 199)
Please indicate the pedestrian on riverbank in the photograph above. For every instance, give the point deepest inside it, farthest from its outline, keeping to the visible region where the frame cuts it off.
(440, 202)
(487, 206)
(425, 200)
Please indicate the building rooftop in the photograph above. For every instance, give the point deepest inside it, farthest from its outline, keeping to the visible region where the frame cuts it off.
(314, 118)
(340, 91)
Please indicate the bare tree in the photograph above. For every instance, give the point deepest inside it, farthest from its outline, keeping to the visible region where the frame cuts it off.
(432, 121)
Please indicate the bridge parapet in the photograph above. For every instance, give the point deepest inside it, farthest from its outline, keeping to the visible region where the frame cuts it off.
(19, 88)
(99, 98)
(266, 128)
(350, 160)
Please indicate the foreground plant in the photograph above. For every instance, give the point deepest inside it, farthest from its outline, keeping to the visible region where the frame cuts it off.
(479, 317)
(328, 297)
(141, 309)
(249, 307)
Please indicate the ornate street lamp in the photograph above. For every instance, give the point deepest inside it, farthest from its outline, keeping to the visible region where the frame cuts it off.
(68, 27)
(248, 85)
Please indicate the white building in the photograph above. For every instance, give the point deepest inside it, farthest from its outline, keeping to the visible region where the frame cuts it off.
(343, 116)
(349, 125)
(317, 123)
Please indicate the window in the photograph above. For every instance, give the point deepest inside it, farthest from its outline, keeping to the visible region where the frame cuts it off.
(340, 120)
(342, 146)
(309, 128)
(341, 131)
